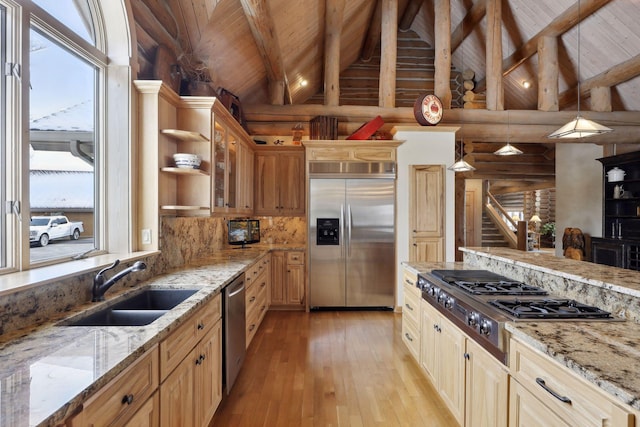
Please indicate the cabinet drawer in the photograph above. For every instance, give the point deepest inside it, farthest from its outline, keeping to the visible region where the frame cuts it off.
(334, 153)
(251, 293)
(176, 346)
(121, 398)
(375, 154)
(294, 258)
(411, 306)
(411, 338)
(541, 376)
(410, 280)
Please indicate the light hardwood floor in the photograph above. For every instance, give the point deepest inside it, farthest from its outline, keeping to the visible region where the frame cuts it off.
(331, 368)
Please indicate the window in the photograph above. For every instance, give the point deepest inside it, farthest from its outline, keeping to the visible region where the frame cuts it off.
(3, 125)
(59, 130)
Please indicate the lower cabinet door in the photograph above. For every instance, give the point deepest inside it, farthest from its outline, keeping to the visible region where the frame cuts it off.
(487, 389)
(176, 395)
(208, 376)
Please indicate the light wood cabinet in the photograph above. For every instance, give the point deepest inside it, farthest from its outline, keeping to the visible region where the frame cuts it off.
(426, 213)
(169, 124)
(411, 314)
(258, 281)
(233, 165)
(540, 385)
(352, 150)
(287, 279)
(442, 358)
(279, 182)
(120, 401)
(191, 368)
(486, 388)
(472, 383)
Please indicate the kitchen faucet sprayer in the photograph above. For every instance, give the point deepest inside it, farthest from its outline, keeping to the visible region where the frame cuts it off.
(100, 286)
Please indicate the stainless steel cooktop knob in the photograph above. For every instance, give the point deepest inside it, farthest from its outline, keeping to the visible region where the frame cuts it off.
(448, 303)
(472, 320)
(485, 327)
(433, 291)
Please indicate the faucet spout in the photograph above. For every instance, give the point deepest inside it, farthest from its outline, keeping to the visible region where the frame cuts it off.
(101, 285)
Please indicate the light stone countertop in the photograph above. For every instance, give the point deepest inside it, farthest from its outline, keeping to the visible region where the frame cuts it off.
(603, 353)
(50, 370)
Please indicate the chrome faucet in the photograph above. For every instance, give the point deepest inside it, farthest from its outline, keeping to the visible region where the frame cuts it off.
(100, 286)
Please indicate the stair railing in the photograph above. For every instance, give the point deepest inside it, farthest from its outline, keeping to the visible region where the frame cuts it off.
(500, 217)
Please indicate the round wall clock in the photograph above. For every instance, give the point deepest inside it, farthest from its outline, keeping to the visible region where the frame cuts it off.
(428, 110)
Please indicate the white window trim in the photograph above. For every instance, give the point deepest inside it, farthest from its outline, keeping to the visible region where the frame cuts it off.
(116, 135)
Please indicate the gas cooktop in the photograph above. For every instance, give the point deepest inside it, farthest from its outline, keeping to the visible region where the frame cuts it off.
(480, 302)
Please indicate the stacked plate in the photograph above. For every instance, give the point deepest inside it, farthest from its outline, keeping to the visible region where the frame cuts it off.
(188, 161)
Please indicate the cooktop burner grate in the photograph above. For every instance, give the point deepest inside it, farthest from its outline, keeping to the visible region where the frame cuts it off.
(549, 309)
(502, 287)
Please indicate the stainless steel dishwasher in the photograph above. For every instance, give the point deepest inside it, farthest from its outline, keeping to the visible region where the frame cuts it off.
(234, 330)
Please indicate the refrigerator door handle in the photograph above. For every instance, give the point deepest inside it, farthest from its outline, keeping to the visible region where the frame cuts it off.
(349, 219)
(343, 242)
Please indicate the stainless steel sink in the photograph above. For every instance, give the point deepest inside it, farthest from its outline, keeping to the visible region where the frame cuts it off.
(137, 310)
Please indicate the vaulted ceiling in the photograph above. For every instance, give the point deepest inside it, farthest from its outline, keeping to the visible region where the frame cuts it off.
(263, 51)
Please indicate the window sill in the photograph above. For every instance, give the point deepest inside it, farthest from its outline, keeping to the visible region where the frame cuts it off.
(23, 280)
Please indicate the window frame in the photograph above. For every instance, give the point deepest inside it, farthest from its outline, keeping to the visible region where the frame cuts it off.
(114, 131)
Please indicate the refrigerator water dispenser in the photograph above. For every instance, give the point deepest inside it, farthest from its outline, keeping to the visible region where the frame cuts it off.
(328, 231)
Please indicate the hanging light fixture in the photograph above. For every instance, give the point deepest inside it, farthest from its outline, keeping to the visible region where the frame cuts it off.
(461, 165)
(508, 150)
(579, 127)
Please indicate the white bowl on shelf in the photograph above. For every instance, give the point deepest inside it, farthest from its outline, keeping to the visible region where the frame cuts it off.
(187, 161)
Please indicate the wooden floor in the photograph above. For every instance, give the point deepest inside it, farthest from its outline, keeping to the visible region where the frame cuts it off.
(331, 368)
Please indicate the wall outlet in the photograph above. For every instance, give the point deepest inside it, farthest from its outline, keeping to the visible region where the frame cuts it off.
(146, 236)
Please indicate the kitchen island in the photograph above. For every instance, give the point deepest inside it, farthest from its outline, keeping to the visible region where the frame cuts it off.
(48, 372)
(603, 353)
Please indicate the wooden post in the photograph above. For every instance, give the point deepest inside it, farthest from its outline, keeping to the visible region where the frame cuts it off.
(459, 194)
(495, 91)
(523, 235)
(389, 54)
(548, 74)
(442, 84)
(601, 99)
(333, 24)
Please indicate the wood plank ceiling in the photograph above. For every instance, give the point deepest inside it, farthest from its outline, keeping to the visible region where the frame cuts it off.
(283, 60)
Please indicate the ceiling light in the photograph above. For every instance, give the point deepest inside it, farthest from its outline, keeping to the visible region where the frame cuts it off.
(508, 150)
(579, 127)
(303, 83)
(461, 165)
(526, 84)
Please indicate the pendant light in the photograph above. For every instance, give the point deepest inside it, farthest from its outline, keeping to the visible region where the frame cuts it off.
(508, 150)
(461, 165)
(579, 127)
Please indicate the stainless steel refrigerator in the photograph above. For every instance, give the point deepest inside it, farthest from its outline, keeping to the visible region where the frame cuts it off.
(351, 235)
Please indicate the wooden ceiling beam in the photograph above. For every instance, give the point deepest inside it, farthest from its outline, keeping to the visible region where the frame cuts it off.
(560, 25)
(388, 53)
(410, 13)
(468, 23)
(519, 126)
(264, 33)
(373, 33)
(615, 75)
(334, 15)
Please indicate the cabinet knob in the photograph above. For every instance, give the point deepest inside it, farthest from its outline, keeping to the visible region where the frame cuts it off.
(467, 356)
(128, 399)
(200, 326)
(252, 299)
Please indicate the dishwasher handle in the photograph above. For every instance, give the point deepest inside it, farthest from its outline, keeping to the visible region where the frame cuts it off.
(239, 287)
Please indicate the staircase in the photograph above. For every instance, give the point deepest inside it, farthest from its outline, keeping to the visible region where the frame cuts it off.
(491, 236)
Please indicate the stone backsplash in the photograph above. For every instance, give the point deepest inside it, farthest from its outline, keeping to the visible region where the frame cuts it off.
(182, 239)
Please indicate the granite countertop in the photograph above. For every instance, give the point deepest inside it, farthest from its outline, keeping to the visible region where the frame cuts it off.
(52, 369)
(603, 353)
